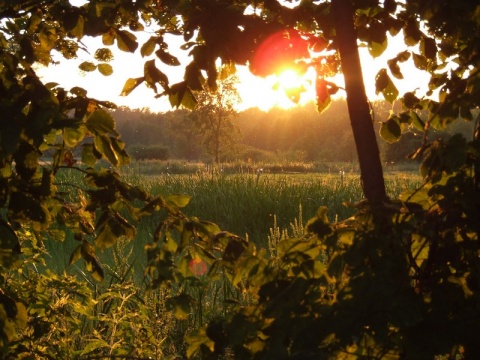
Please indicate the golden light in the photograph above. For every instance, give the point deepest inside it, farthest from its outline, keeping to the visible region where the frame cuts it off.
(290, 79)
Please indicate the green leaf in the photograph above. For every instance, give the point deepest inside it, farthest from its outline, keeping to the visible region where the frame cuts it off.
(103, 145)
(92, 263)
(376, 49)
(196, 340)
(87, 66)
(72, 136)
(126, 41)
(180, 305)
(118, 147)
(390, 130)
(112, 226)
(178, 201)
(76, 255)
(94, 344)
(88, 156)
(180, 95)
(167, 58)
(100, 122)
(105, 69)
(384, 84)
(149, 46)
(130, 85)
(416, 121)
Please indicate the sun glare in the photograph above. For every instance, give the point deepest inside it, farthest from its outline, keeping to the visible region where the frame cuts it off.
(290, 79)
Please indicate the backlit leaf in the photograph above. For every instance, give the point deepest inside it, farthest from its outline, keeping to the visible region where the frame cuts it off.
(384, 84)
(103, 145)
(179, 201)
(105, 69)
(87, 66)
(130, 85)
(167, 58)
(376, 49)
(149, 46)
(101, 122)
(104, 55)
(126, 41)
(322, 94)
(390, 130)
(88, 156)
(420, 61)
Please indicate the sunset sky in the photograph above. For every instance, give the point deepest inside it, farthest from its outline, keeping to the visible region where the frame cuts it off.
(254, 91)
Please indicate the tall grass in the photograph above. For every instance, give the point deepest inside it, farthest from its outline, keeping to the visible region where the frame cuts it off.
(246, 204)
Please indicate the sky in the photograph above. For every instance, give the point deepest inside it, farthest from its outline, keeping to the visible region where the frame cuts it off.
(254, 91)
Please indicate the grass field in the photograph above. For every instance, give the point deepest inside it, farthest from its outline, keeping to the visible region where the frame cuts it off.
(248, 203)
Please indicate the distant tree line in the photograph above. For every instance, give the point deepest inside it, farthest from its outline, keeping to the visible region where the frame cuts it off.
(297, 134)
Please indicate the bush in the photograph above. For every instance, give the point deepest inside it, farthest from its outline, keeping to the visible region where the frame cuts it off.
(150, 152)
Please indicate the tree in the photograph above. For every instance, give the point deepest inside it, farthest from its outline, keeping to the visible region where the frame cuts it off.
(380, 284)
(213, 117)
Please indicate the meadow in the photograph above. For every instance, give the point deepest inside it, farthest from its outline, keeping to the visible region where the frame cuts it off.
(120, 316)
(252, 201)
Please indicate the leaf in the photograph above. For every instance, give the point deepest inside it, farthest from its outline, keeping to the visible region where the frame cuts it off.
(130, 85)
(178, 201)
(384, 84)
(94, 345)
(420, 61)
(167, 58)
(196, 340)
(100, 122)
(416, 121)
(322, 95)
(180, 306)
(76, 255)
(108, 38)
(112, 226)
(105, 69)
(149, 46)
(394, 68)
(153, 75)
(103, 145)
(78, 91)
(428, 48)
(88, 156)
(92, 263)
(180, 95)
(390, 130)
(376, 49)
(126, 41)
(87, 66)
(104, 55)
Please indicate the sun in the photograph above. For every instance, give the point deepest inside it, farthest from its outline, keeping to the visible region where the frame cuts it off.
(290, 79)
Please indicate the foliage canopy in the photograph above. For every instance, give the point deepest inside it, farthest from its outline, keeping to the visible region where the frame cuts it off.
(399, 279)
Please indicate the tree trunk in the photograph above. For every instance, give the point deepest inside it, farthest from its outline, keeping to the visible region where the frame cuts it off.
(358, 106)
